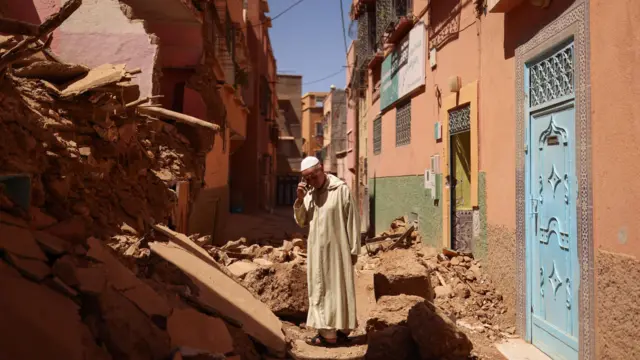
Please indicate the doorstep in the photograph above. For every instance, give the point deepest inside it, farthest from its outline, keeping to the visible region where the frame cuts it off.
(518, 349)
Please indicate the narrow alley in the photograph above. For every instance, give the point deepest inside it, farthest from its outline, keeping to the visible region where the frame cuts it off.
(319, 179)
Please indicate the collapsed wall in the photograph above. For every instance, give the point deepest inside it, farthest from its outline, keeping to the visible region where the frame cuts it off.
(98, 164)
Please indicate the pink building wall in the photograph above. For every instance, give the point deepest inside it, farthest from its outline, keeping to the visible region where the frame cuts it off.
(97, 33)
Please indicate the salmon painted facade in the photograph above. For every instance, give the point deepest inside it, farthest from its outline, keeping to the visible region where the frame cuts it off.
(484, 123)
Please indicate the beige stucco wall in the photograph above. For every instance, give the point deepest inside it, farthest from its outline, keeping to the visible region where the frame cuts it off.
(615, 136)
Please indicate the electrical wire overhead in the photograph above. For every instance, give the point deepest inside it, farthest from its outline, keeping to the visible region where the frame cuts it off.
(324, 78)
(277, 15)
(344, 30)
(330, 75)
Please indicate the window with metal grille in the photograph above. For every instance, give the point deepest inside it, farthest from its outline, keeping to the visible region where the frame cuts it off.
(377, 135)
(403, 124)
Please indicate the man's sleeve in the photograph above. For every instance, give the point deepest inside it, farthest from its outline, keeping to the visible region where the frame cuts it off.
(300, 212)
(352, 223)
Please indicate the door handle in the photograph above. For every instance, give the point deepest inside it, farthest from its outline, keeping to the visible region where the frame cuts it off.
(534, 214)
(534, 206)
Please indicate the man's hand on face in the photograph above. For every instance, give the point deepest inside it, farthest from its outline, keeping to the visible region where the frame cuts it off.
(302, 190)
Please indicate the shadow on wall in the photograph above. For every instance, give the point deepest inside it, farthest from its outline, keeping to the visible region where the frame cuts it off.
(444, 22)
(526, 20)
(372, 208)
(209, 213)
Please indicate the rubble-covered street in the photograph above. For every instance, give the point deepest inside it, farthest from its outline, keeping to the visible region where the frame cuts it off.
(103, 280)
(190, 180)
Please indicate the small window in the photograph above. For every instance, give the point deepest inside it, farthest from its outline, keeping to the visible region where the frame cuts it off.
(403, 124)
(319, 129)
(377, 135)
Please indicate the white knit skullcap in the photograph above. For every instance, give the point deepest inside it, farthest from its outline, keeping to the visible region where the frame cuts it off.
(309, 162)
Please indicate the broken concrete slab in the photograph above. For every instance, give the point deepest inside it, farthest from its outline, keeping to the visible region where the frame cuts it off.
(52, 71)
(243, 346)
(241, 268)
(190, 328)
(224, 295)
(73, 229)
(435, 334)
(65, 269)
(51, 244)
(185, 243)
(148, 300)
(124, 280)
(182, 241)
(34, 269)
(60, 286)
(20, 241)
(91, 280)
(127, 332)
(49, 328)
(118, 275)
(7, 218)
(400, 272)
(99, 76)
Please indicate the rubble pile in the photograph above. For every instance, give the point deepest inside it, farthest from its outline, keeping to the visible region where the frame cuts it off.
(399, 234)
(265, 252)
(96, 166)
(467, 294)
(275, 271)
(418, 289)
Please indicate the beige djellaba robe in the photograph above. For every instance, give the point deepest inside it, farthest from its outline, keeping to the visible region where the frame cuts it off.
(334, 235)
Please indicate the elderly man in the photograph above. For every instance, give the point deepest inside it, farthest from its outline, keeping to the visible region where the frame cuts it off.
(325, 205)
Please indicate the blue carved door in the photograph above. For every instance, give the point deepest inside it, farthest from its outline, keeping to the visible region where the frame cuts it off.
(552, 252)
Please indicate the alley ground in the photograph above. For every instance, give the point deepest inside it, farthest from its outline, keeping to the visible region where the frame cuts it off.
(459, 287)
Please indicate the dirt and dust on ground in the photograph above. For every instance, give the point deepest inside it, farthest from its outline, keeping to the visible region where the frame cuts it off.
(87, 171)
(413, 301)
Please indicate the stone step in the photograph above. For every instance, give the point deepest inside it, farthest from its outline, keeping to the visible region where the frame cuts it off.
(518, 349)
